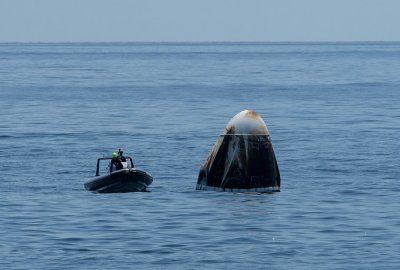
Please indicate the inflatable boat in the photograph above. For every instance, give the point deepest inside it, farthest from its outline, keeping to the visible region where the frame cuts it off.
(126, 179)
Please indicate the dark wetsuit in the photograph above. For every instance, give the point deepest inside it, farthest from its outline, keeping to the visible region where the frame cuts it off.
(117, 163)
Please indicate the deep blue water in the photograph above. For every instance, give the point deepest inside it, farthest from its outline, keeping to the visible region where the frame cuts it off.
(333, 111)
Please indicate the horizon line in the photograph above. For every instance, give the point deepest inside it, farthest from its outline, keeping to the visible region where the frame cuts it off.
(209, 41)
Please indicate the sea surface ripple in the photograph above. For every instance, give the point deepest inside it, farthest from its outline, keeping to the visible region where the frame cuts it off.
(333, 111)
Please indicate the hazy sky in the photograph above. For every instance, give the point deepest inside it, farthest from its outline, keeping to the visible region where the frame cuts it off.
(200, 20)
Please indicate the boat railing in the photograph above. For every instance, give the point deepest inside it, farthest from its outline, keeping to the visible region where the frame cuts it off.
(108, 158)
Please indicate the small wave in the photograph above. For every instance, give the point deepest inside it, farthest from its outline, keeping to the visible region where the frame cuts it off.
(6, 136)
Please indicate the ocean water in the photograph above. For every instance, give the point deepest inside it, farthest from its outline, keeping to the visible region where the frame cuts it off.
(333, 111)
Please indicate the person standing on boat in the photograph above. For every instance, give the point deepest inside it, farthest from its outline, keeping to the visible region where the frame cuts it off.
(115, 163)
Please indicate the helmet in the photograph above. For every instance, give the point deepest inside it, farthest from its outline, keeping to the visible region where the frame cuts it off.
(114, 155)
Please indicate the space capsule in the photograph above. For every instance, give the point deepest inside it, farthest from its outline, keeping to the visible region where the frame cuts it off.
(242, 159)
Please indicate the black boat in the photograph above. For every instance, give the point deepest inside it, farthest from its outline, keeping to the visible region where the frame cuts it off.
(127, 179)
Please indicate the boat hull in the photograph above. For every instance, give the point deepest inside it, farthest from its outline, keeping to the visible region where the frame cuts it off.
(125, 180)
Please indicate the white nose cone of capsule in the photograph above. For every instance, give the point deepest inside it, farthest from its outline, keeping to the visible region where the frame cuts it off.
(242, 159)
(246, 123)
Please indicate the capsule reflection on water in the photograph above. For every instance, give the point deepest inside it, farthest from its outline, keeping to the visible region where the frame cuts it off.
(242, 159)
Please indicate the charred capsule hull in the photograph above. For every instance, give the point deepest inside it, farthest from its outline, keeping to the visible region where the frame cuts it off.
(125, 180)
(240, 163)
(242, 159)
